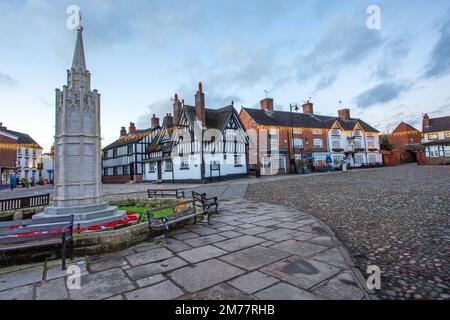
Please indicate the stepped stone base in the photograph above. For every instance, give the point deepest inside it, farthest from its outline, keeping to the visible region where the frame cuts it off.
(85, 216)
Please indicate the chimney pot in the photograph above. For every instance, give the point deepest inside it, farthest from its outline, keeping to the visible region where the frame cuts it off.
(123, 132)
(267, 104)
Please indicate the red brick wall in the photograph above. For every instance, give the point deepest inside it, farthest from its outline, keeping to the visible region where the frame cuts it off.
(7, 156)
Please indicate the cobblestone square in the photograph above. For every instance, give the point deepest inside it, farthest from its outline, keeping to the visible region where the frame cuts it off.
(396, 218)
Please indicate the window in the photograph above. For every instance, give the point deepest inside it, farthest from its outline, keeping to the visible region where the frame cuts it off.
(169, 166)
(273, 138)
(358, 144)
(336, 144)
(318, 143)
(152, 167)
(298, 131)
(126, 170)
(184, 163)
(433, 136)
(317, 131)
(237, 161)
(447, 134)
(115, 171)
(319, 160)
(130, 149)
(359, 159)
(371, 144)
(298, 143)
(372, 159)
(298, 157)
(115, 153)
(338, 160)
(336, 132)
(357, 133)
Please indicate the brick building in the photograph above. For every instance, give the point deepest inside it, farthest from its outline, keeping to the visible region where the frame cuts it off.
(404, 144)
(281, 139)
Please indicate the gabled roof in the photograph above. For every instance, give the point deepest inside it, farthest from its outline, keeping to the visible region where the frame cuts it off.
(283, 119)
(22, 138)
(215, 118)
(438, 124)
(349, 124)
(404, 127)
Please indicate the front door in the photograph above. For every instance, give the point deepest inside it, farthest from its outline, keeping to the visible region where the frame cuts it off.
(159, 170)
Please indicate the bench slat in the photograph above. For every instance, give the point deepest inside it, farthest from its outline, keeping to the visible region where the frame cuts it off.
(36, 228)
(30, 245)
(30, 222)
(11, 239)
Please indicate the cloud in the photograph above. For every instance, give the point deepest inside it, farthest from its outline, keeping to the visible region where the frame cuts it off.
(439, 61)
(380, 94)
(160, 108)
(7, 80)
(394, 52)
(344, 44)
(326, 81)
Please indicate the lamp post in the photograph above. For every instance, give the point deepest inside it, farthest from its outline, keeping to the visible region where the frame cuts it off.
(293, 107)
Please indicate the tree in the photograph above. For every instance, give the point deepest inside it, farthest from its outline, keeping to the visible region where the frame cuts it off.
(385, 144)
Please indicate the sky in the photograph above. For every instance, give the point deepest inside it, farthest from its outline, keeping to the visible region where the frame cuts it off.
(141, 52)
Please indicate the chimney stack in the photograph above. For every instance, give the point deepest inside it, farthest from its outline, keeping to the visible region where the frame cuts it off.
(425, 122)
(200, 105)
(176, 109)
(123, 132)
(155, 122)
(168, 121)
(2, 127)
(308, 108)
(267, 104)
(132, 128)
(344, 114)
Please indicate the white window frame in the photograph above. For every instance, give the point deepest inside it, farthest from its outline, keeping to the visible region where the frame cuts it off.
(317, 145)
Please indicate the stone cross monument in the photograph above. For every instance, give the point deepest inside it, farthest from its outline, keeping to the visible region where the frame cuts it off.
(77, 180)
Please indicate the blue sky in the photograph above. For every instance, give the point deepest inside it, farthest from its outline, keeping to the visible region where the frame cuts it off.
(141, 52)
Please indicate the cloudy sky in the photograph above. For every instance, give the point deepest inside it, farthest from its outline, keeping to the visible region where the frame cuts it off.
(141, 52)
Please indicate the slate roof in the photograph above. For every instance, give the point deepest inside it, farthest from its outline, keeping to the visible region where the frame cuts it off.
(215, 118)
(22, 138)
(438, 124)
(283, 119)
(129, 139)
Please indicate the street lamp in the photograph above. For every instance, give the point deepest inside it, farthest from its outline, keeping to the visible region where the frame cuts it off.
(293, 107)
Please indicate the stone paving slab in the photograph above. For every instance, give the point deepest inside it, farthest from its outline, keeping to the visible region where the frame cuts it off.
(230, 260)
(203, 275)
(163, 291)
(255, 258)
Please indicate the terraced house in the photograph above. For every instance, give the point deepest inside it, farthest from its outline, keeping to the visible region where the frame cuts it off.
(199, 144)
(436, 140)
(123, 159)
(282, 139)
(20, 155)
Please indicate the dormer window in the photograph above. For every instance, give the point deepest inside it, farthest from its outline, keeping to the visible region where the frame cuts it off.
(336, 132)
(433, 136)
(357, 132)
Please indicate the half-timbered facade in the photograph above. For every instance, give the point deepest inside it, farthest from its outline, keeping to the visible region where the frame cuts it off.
(201, 145)
(123, 159)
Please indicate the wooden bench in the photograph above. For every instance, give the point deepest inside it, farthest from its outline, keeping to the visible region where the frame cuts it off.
(180, 212)
(23, 234)
(24, 202)
(205, 202)
(169, 193)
